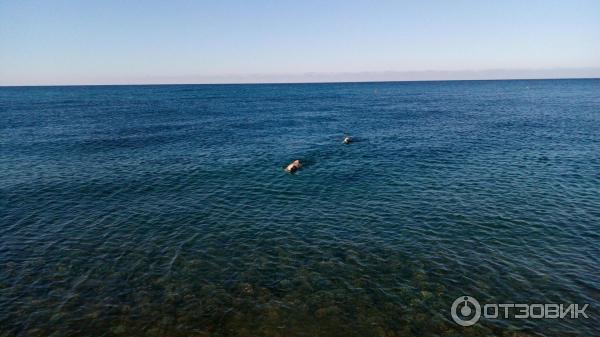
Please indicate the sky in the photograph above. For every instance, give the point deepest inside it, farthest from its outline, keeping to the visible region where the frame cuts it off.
(127, 42)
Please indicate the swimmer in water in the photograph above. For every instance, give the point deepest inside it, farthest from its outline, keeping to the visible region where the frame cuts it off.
(347, 140)
(294, 166)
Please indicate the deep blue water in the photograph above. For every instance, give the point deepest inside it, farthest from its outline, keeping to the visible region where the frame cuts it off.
(164, 210)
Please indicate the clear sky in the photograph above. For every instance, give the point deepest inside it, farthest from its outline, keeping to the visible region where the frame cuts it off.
(175, 41)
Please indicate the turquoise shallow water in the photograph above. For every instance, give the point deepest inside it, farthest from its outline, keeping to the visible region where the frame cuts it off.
(164, 210)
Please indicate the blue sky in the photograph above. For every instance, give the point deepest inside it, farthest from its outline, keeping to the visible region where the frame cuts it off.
(78, 42)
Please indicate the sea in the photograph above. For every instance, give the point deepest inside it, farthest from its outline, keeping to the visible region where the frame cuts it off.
(164, 210)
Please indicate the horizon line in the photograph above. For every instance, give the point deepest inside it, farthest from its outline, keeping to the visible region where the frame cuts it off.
(310, 77)
(307, 82)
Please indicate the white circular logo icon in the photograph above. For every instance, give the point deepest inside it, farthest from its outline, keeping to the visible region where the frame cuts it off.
(469, 313)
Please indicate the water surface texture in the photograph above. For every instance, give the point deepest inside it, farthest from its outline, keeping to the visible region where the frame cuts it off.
(164, 210)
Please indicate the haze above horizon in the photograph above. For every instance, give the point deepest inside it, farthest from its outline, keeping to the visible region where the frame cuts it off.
(111, 42)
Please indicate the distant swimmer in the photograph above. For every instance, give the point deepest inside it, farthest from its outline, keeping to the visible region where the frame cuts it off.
(347, 140)
(294, 166)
